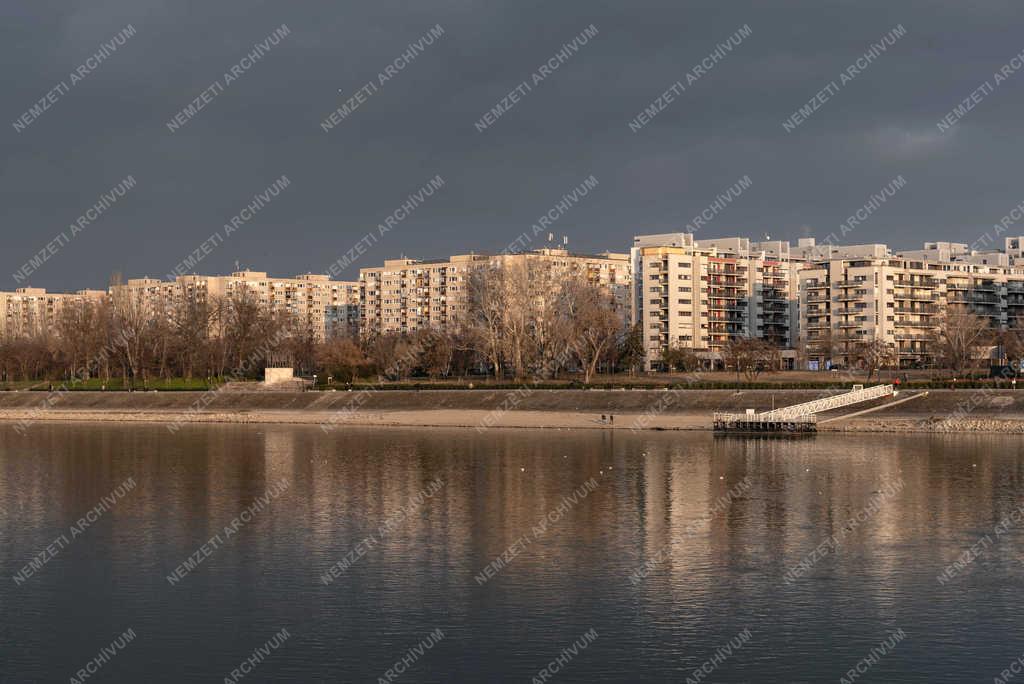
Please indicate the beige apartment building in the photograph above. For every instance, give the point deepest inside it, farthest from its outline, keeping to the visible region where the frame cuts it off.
(404, 295)
(862, 293)
(33, 310)
(699, 294)
(327, 306)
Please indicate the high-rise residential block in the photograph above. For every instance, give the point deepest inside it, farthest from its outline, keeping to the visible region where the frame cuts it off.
(326, 306)
(699, 294)
(864, 293)
(31, 310)
(404, 295)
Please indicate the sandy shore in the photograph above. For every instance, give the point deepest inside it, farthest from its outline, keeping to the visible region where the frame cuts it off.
(331, 421)
(1000, 411)
(481, 420)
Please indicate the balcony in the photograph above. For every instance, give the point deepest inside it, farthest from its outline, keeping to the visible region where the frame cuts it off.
(916, 296)
(975, 299)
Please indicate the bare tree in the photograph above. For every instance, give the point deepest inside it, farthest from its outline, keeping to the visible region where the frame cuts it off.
(749, 356)
(1012, 340)
(341, 357)
(191, 319)
(959, 338)
(680, 359)
(130, 323)
(439, 352)
(874, 355)
(485, 322)
(596, 325)
(630, 351)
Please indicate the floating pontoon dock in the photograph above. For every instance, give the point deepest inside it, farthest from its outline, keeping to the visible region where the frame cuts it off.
(799, 417)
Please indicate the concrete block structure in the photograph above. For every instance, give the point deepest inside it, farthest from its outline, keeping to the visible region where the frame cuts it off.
(32, 310)
(863, 293)
(327, 306)
(699, 294)
(404, 295)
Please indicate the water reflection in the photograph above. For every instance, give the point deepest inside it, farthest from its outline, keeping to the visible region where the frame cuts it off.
(718, 569)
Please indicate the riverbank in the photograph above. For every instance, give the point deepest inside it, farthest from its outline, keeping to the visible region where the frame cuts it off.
(939, 411)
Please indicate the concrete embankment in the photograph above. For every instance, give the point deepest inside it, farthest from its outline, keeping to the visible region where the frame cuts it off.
(940, 411)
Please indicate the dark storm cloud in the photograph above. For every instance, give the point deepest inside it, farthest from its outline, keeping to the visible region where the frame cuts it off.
(419, 123)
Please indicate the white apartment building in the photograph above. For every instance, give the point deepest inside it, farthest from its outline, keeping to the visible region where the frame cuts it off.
(699, 294)
(33, 310)
(327, 306)
(404, 295)
(863, 293)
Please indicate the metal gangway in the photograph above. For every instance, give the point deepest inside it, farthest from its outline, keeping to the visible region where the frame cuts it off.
(799, 417)
(858, 394)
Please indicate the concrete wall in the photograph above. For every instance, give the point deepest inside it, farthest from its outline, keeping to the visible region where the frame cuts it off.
(278, 375)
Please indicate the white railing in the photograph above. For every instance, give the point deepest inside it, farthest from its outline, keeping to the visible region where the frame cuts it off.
(828, 403)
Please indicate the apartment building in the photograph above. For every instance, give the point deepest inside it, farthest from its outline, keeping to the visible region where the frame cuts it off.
(33, 310)
(863, 293)
(404, 295)
(699, 294)
(327, 306)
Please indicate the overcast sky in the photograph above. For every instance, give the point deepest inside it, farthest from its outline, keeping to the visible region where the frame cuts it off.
(573, 124)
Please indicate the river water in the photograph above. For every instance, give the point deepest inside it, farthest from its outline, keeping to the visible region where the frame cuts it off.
(271, 554)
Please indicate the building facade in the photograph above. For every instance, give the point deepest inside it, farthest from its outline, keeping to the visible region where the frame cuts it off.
(31, 311)
(405, 295)
(864, 293)
(699, 294)
(326, 306)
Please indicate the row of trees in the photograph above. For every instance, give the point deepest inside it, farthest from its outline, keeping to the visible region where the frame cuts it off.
(521, 323)
(958, 339)
(124, 335)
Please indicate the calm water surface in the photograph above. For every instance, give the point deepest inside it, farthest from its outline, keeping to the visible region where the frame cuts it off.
(417, 516)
